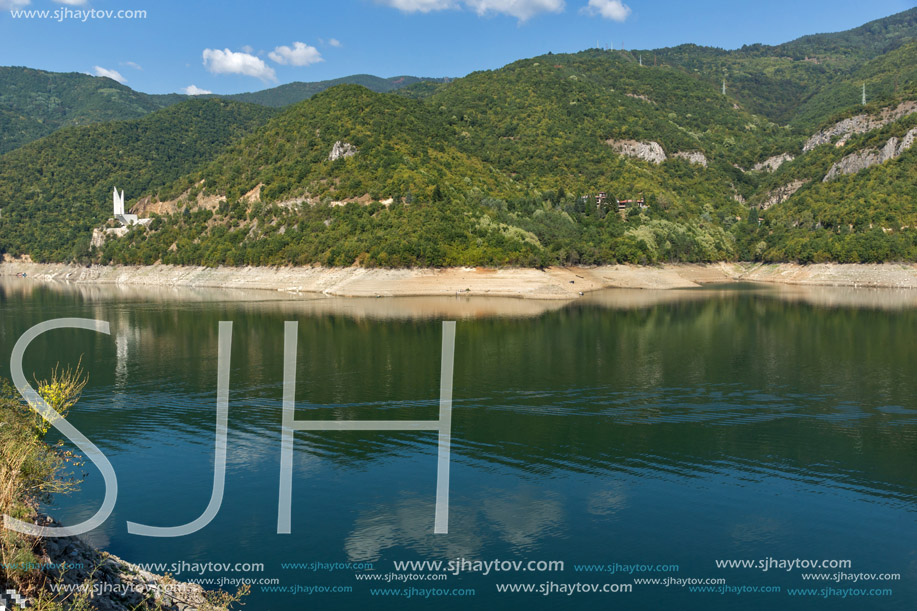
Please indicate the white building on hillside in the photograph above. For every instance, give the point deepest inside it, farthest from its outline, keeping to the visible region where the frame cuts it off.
(125, 219)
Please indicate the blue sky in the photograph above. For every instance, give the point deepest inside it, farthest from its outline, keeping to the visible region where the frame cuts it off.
(235, 46)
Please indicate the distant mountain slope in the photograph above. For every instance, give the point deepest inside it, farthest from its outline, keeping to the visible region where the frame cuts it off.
(887, 78)
(776, 81)
(549, 120)
(291, 93)
(401, 147)
(34, 103)
(864, 42)
(546, 123)
(55, 190)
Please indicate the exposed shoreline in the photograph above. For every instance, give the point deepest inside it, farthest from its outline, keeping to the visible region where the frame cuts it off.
(562, 283)
(118, 585)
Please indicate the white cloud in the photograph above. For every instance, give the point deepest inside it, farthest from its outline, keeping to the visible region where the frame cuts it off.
(523, 10)
(229, 62)
(300, 55)
(133, 65)
(420, 6)
(248, 49)
(609, 9)
(334, 42)
(112, 74)
(11, 5)
(72, 2)
(195, 90)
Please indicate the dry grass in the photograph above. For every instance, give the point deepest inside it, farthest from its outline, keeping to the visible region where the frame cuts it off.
(31, 471)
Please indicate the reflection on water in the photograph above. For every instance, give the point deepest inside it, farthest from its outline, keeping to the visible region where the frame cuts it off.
(311, 304)
(281, 302)
(490, 514)
(678, 427)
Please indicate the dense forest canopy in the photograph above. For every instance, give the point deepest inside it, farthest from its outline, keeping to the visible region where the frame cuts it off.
(35, 103)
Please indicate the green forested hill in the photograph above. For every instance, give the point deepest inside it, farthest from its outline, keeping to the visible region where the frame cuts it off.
(405, 149)
(863, 43)
(34, 103)
(575, 103)
(54, 191)
(768, 84)
(506, 166)
(499, 167)
(777, 81)
(291, 93)
(537, 124)
(868, 216)
(887, 78)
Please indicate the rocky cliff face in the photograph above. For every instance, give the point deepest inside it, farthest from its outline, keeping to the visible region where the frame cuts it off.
(653, 152)
(860, 124)
(647, 151)
(773, 163)
(859, 161)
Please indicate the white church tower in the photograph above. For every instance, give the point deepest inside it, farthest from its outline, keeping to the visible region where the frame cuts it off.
(125, 219)
(119, 203)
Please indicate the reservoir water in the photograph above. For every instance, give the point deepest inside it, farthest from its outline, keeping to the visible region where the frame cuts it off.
(631, 435)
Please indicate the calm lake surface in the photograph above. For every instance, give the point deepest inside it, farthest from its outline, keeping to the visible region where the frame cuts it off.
(630, 427)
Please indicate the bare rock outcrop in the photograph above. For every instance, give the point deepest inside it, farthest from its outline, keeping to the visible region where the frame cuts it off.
(695, 157)
(342, 150)
(98, 238)
(647, 151)
(771, 164)
(639, 97)
(859, 161)
(781, 194)
(856, 162)
(254, 195)
(860, 124)
(100, 235)
(908, 141)
(147, 206)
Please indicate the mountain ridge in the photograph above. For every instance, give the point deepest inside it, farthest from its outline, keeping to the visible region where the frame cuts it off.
(35, 103)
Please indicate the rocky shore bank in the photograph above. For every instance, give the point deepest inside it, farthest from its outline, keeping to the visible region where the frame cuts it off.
(548, 283)
(78, 575)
